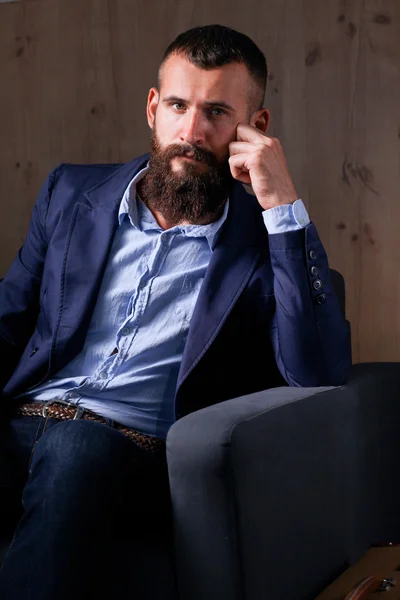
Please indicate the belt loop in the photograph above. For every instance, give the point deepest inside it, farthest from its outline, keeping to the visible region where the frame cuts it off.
(79, 413)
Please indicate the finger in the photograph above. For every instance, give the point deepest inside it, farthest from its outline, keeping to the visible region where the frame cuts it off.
(237, 164)
(247, 133)
(241, 147)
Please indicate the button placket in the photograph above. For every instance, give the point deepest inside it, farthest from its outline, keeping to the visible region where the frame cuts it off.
(126, 337)
(128, 332)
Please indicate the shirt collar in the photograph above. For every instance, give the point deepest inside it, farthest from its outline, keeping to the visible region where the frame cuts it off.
(128, 204)
(142, 218)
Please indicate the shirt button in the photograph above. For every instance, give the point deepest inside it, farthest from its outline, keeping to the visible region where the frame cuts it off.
(320, 299)
(314, 270)
(72, 395)
(125, 331)
(312, 254)
(103, 375)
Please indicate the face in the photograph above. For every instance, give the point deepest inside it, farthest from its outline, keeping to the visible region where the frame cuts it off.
(194, 117)
(200, 108)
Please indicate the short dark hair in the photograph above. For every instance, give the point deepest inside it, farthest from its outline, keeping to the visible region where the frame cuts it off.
(213, 46)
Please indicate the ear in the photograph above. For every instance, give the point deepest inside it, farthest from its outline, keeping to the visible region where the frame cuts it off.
(260, 120)
(152, 103)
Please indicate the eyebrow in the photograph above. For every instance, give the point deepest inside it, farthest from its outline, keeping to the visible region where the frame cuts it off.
(215, 103)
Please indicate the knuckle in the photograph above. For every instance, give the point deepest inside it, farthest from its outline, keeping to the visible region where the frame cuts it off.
(274, 143)
(260, 152)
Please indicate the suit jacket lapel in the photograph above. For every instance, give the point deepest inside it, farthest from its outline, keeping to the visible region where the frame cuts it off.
(231, 265)
(89, 240)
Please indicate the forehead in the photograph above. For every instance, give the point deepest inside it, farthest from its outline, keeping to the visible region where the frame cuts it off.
(179, 77)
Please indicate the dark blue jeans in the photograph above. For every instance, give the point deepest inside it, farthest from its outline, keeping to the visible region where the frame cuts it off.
(91, 509)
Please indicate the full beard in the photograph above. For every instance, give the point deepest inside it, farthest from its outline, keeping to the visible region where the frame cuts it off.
(185, 195)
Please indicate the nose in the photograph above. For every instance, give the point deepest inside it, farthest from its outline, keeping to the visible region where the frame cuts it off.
(193, 129)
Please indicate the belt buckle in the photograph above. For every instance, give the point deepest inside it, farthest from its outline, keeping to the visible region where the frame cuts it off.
(79, 409)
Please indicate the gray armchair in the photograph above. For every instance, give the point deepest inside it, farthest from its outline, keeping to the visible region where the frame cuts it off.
(274, 494)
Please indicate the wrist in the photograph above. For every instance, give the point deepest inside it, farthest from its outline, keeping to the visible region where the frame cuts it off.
(274, 200)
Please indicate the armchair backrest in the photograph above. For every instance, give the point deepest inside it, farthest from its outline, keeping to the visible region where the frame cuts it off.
(339, 287)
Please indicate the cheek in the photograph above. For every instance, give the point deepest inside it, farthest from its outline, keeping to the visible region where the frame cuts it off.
(167, 126)
(221, 141)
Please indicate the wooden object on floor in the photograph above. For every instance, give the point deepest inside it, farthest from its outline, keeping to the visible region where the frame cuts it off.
(363, 580)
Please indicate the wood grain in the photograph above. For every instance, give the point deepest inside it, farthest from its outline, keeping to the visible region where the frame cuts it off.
(75, 77)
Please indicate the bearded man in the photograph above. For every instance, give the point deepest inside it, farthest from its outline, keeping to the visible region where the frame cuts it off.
(143, 292)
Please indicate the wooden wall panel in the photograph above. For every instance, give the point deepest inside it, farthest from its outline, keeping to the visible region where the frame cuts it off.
(75, 76)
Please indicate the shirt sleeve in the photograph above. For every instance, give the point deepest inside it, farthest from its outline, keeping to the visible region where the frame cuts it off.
(287, 217)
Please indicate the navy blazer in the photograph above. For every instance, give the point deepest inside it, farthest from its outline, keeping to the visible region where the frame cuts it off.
(261, 320)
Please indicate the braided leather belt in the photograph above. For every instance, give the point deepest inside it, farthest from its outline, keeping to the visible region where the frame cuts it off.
(64, 412)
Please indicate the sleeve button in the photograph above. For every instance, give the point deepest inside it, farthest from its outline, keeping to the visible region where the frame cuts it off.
(317, 285)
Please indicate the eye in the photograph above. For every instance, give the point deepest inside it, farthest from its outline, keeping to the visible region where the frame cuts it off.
(217, 112)
(178, 106)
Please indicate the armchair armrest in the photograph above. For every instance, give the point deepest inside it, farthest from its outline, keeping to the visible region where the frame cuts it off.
(275, 493)
(363, 374)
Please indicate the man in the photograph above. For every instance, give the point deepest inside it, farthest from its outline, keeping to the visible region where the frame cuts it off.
(143, 292)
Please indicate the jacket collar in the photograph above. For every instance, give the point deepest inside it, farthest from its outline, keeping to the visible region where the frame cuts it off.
(112, 188)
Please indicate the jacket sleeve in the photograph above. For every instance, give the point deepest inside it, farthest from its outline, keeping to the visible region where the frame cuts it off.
(310, 337)
(20, 289)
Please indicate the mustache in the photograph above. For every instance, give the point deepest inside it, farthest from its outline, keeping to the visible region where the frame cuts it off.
(191, 151)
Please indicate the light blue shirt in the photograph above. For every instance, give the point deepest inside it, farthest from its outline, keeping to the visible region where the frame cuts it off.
(128, 368)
